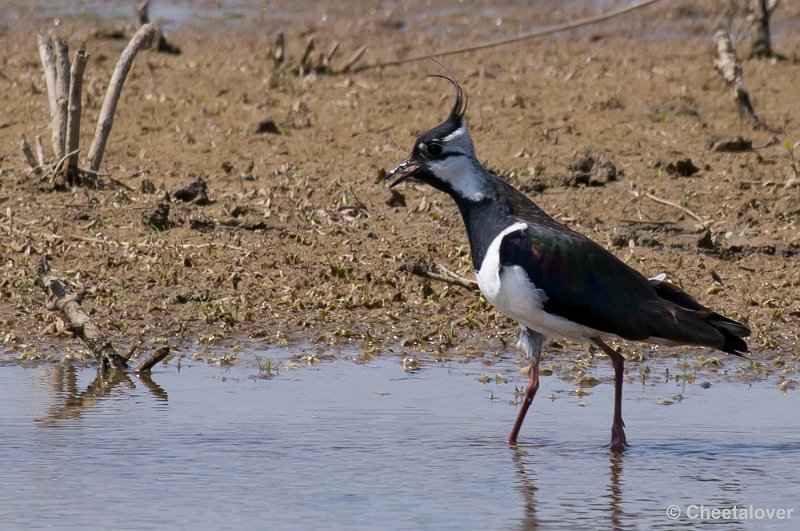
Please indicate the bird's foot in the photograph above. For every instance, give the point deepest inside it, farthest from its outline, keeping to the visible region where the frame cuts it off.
(618, 439)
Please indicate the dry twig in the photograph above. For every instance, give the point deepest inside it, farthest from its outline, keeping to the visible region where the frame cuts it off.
(28, 152)
(64, 84)
(74, 113)
(519, 38)
(154, 359)
(49, 64)
(40, 156)
(352, 60)
(440, 273)
(731, 70)
(676, 205)
(759, 14)
(106, 118)
(159, 42)
(83, 326)
(62, 98)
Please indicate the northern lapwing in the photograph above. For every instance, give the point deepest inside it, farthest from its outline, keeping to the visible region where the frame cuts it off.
(552, 280)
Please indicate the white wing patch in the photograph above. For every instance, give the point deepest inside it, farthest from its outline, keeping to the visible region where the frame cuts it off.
(510, 290)
(489, 274)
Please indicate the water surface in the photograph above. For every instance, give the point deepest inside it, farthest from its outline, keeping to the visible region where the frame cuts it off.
(371, 446)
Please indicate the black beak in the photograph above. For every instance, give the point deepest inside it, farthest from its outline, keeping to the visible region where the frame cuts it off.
(407, 168)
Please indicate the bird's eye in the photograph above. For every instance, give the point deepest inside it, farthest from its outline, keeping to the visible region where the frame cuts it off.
(434, 148)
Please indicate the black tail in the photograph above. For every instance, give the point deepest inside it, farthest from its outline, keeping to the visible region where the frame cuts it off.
(731, 331)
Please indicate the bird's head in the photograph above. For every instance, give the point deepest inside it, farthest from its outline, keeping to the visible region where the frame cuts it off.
(444, 157)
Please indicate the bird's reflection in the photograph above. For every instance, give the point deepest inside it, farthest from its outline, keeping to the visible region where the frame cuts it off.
(72, 402)
(527, 488)
(615, 488)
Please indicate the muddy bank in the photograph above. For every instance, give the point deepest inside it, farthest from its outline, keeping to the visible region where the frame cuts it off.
(299, 241)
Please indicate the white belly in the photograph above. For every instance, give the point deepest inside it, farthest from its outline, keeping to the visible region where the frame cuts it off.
(511, 291)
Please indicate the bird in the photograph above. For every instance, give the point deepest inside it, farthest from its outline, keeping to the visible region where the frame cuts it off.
(552, 280)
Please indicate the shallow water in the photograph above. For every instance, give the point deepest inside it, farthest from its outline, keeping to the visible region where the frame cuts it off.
(424, 17)
(370, 446)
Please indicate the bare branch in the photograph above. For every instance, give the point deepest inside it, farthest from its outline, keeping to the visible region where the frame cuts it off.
(49, 64)
(522, 37)
(679, 207)
(59, 122)
(731, 70)
(305, 62)
(83, 326)
(142, 11)
(334, 48)
(40, 151)
(353, 60)
(279, 51)
(74, 112)
(62, 160)
(759, 15)
(28, 152)
(440, 273)
(154, 359)
(106, 119)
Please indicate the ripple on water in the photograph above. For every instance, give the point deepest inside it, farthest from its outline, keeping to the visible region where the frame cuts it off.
(366, 446)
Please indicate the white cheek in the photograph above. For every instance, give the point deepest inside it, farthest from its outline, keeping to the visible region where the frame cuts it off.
(461, 175)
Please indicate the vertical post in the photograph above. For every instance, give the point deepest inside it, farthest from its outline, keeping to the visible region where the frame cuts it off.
(28, 152)
(74, 112)
(62, 98)
(106, 118)
(731, 70)
(760, 13)
(40, 152)
(48, 58)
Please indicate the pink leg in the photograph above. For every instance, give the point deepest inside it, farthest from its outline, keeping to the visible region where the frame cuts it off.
(530, 392)
(618, 440)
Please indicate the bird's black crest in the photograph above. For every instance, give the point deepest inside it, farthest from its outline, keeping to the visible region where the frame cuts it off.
(462, 99)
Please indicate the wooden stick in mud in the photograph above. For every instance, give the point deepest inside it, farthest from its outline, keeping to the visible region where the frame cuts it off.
(727, 64)
(441, 274)
(40, 152)
(353, 60)
(760, 13)
(83, 326)
(679, 207)
(74, 112)
(142, 12)
(153, 360)
(511, 40)
(49, 64)
(329, 57)
(59, 118)
(60, 164)
(160, 42)
(279, 51)
(69, 304)
(305, 63)
(28, 152)
(106, 118)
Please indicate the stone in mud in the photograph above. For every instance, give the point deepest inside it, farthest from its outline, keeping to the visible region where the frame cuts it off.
(591, 168)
